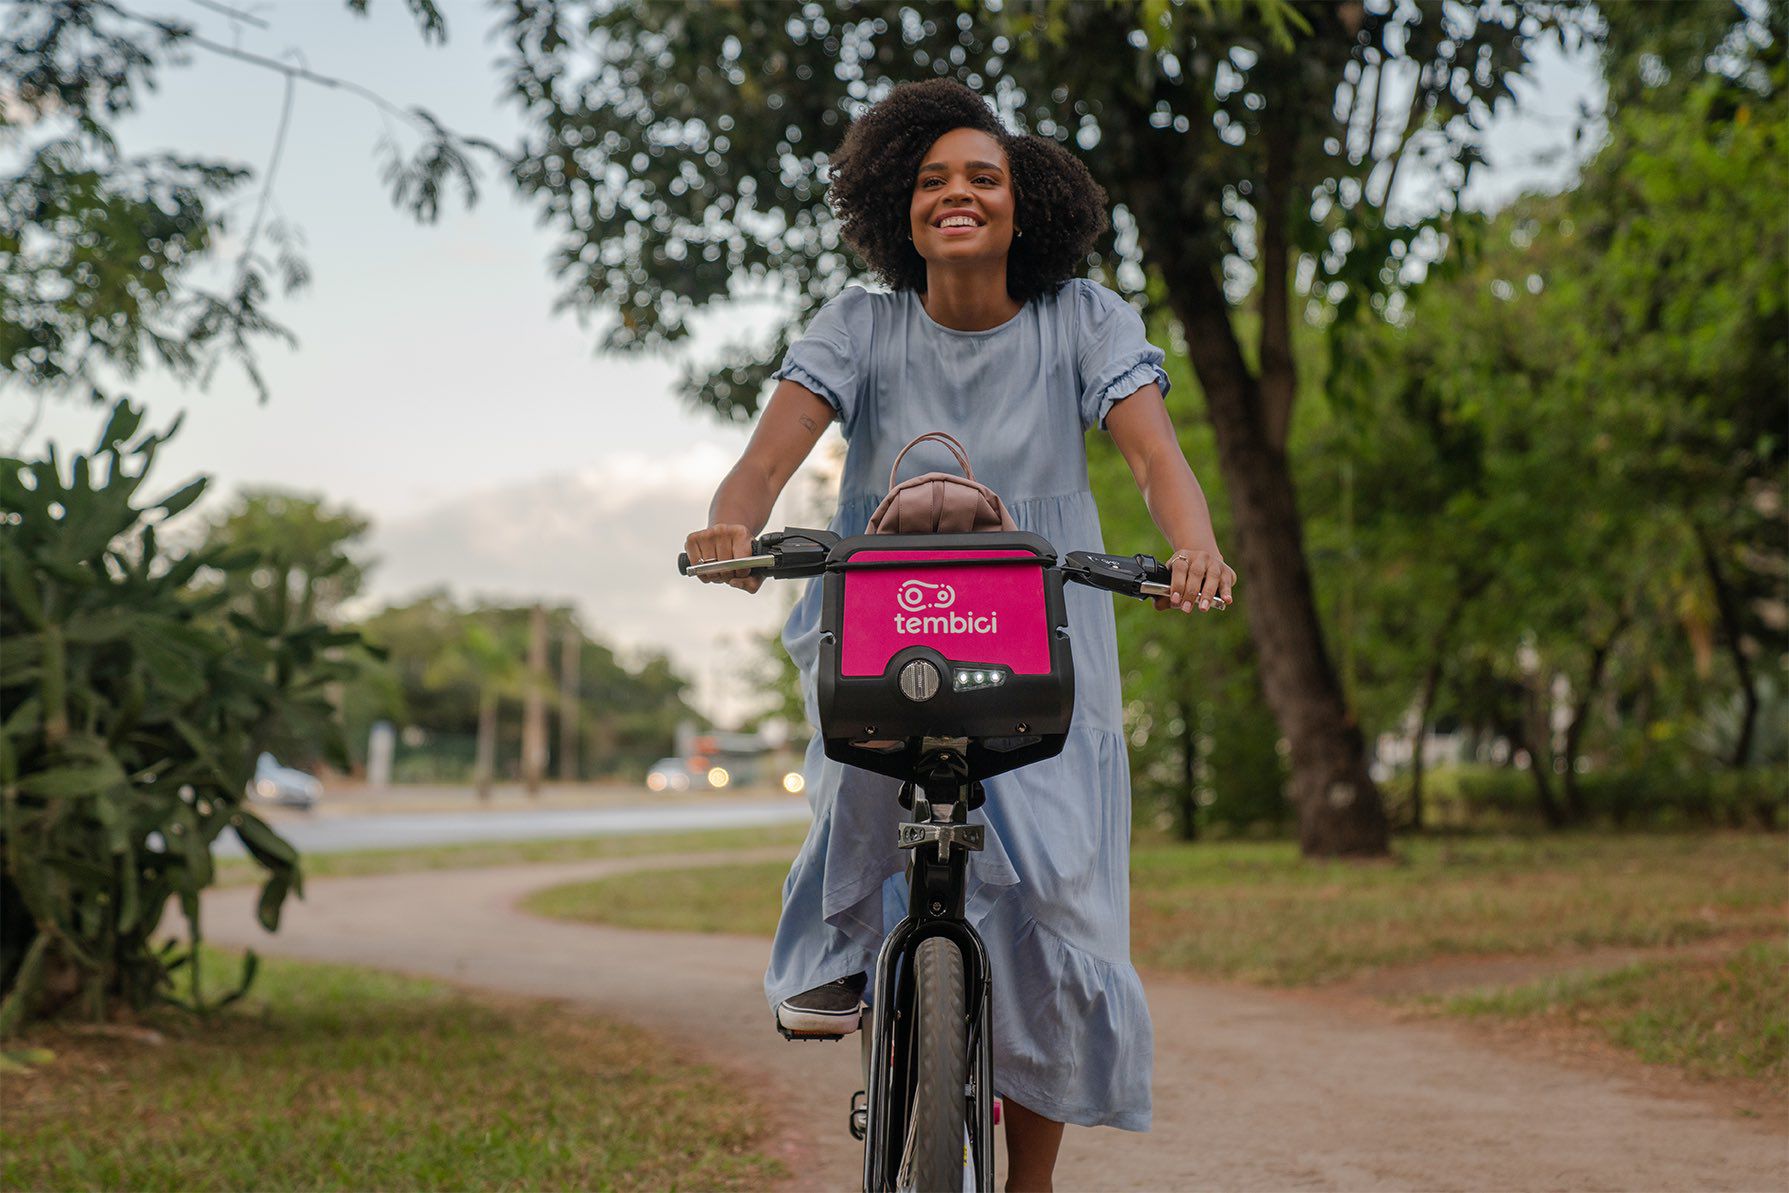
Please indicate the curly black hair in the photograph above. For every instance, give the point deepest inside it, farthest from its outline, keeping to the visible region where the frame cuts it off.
(1056, 201)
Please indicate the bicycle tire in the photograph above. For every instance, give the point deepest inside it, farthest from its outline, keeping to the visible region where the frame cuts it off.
(932, 1155)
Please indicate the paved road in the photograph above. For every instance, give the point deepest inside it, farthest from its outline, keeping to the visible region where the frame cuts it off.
(395, 830)
(1253, 1089)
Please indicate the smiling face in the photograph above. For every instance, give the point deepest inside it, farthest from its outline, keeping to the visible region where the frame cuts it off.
(962, 207)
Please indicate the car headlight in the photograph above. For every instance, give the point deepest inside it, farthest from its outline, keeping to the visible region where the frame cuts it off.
(656, 780)
(266, 788)
(680, 782)
(718, 776)
(793, 783)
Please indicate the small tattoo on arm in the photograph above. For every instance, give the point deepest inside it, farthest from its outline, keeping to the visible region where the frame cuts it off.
(810, 424)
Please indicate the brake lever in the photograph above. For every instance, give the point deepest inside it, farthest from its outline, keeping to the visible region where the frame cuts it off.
(743, 563)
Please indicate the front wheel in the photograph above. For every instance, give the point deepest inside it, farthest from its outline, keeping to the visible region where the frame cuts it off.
(932, 1154)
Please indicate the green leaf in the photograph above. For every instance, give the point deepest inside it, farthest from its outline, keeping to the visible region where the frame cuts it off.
(92, 628)
(22, 585)
(73, 782)
(251, 965)
(267, 846)
(120, 426)
(273, 899)
(182, 497)
(27, 716)
(130, 897)
(20, 658)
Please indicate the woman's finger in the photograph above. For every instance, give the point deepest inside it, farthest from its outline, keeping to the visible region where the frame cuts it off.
(1227, 584)
(1185, 582)
(1208, 585)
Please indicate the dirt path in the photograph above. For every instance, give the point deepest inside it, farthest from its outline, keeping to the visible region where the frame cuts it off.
(1253, 1089)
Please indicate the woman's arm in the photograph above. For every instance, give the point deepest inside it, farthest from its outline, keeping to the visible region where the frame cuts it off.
(1141, 429)
(785, 434)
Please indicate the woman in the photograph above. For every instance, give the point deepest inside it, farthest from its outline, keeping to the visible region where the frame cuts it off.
(985, 334)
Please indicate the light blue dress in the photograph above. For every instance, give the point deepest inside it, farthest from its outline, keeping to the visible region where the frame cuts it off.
(1051, 893)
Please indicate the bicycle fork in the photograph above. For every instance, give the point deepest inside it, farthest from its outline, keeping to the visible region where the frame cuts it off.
(941, 841)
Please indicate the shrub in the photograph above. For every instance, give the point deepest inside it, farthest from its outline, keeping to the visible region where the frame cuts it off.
(133, 699)
(1489, 797)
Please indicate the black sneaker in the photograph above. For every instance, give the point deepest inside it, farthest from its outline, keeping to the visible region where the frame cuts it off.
(827, 1012)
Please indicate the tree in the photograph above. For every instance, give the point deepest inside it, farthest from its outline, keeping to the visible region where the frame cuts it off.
(107, 254)
(680, 150)
(308, 553)
(1577, 443)
(448, 669)
(491, 660)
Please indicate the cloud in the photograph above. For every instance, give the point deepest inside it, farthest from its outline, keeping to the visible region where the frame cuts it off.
(605, 540)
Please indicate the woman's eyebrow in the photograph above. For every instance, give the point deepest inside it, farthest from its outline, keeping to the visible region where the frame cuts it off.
(942, 167)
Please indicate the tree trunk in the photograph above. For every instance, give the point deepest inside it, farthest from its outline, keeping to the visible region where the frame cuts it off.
(1574, 733)
(534, 704)
(1516, 730)
(1734, 632)
(1340, 812)
(1187, 822)
(1431, 681)
(569, 708)
(486, 763)
(1470, 587)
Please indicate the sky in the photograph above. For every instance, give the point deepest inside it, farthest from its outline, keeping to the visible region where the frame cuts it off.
(432, 387)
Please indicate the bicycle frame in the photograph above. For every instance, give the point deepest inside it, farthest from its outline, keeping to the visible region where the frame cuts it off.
(941, 840)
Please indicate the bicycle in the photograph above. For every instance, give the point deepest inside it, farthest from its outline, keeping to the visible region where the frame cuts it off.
(972, 678)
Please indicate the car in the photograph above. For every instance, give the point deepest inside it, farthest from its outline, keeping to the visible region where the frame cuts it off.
(668, 774)
(282, 785)
(678, 774)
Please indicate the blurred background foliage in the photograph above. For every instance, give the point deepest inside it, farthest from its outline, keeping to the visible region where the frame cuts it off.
(1544, 504)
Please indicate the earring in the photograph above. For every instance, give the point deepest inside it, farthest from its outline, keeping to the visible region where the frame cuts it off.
(1017, 232)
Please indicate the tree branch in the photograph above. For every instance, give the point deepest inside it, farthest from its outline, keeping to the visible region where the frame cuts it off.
(1396, 157)
(185, 34)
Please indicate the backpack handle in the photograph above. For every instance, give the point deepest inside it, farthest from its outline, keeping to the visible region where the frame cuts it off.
(956, 449)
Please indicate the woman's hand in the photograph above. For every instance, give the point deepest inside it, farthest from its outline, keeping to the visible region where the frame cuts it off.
(1200, 579)
(724, 540)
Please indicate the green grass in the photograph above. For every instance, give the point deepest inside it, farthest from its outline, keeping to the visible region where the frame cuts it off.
(742, 899)
(241, 871)
(330, 1077)
(1254, 911)
(1717, 1018)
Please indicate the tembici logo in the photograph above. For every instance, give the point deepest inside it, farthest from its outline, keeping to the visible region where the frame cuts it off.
(915, 595)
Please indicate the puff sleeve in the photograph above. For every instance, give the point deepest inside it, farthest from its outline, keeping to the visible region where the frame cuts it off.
(1113, 354)
(831, 358)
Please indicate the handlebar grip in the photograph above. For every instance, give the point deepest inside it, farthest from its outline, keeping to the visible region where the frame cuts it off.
(785, 554)
(1128, 575)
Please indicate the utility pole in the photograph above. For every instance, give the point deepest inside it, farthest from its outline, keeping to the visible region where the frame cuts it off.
(570, 714)
(534, 706)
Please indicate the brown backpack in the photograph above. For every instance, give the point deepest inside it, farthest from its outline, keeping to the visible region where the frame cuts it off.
(939, 503)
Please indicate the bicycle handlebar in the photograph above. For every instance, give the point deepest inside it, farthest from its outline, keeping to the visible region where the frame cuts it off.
(795, 553)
